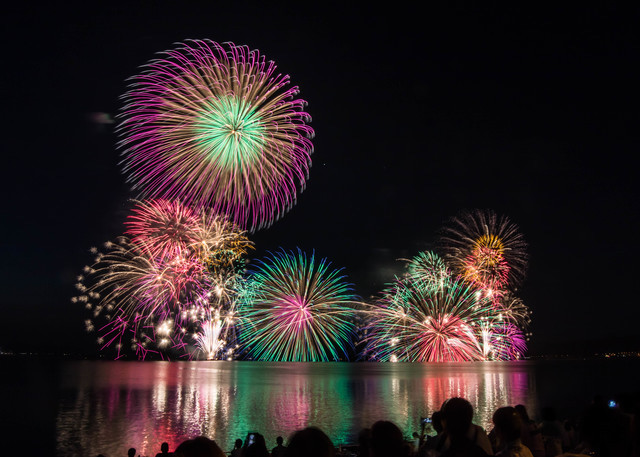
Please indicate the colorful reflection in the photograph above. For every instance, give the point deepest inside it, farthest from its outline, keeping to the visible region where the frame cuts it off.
(107, 407)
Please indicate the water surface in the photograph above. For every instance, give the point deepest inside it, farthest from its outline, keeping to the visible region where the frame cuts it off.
(107, 407)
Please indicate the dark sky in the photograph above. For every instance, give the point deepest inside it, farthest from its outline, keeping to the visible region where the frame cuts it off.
(418, 115)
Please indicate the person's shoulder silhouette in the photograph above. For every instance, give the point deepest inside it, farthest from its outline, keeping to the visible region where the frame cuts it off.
(164, 451)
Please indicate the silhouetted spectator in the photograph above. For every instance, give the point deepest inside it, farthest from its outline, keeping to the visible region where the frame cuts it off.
(164, 451)
(436, 442)
(457, 414)
(310, 442)
(237, 449)
(131, 452)
(530, 434)
(508, 426)
(258, 448)
(386, 440)
(569, 436)
(416, 440)
(552, 430)
(199, 447)
(604, 432)
(364, 440)
(279, 450)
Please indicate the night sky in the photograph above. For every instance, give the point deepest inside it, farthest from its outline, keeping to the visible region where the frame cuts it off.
(418, 114)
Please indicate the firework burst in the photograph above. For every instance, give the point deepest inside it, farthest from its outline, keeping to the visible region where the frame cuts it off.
(162, 289)
(151, 302)
(170, 228)
(216, 125)
(486, 250)
(427, 315)
(508, 338)
(428, 269)
(506, 342)
(513, 310)
(167, 228)
(413, 323)
(217, 331)
(296, 309)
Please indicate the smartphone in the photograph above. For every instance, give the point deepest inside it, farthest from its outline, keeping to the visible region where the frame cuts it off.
(251, 438)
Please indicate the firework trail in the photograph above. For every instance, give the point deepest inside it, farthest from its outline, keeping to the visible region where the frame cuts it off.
(486, 250)
(215, 125)
(296, 309)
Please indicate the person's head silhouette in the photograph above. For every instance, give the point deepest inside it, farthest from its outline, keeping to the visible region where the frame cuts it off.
(457, 414)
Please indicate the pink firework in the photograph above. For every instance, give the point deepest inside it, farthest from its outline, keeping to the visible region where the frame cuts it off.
(171, 229)
(167, 228)
(215, 125)
(158, 289)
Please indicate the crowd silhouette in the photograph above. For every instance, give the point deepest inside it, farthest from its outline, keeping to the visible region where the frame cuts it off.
(604, 429)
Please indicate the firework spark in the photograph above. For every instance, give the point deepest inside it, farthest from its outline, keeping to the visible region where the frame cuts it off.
(141, 296)
(159, 289)
(485, 249)
(429, 269)
(170, 228)
(216, 331)
(215, 125)
(427, 315)
(413, 323)
(296, 309)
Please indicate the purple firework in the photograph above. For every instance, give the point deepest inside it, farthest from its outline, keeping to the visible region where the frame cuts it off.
(215, 125)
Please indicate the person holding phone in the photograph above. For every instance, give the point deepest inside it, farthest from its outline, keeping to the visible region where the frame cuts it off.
(256, 446)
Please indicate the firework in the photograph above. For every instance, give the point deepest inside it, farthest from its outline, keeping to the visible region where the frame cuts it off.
(153, 302)
(215, 125)
(507, 339)
(428, 269)
(413, 323)
(170, 228)
(163, 288)
(428, 315)
(167, 228)
(486, 250)
(506, 342)
(296, 309)
(513, 310)
(216, 332)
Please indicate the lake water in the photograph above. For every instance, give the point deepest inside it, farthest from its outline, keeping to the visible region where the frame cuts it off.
(92, 407)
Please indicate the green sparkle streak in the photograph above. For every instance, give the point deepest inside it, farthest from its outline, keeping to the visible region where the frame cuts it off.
(230, 133)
